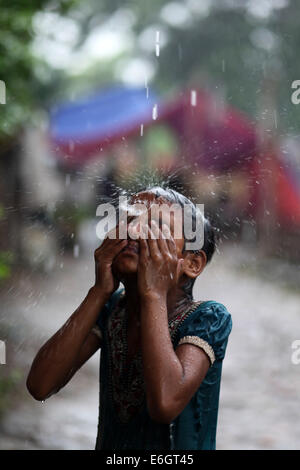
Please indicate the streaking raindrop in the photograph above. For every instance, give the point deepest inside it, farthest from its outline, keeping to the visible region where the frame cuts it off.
(193, 98)
(157, 47)
(154, 112)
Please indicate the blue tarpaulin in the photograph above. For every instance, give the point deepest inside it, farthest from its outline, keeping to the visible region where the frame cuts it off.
(80, 128)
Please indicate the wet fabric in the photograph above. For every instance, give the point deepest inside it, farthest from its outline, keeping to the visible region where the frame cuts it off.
(124, 422)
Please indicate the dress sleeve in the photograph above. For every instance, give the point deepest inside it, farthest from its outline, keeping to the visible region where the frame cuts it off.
(99, 327)
(208, 328)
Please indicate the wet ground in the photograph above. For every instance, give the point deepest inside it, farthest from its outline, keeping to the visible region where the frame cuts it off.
(260, 393)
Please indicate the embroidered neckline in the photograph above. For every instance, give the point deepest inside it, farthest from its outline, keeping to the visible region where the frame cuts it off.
(126, 382)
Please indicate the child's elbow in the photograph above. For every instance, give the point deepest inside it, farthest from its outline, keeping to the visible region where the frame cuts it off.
(162, 413)
(37, 392)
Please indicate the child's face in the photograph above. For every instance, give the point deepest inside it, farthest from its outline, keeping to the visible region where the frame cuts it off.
(126, 263)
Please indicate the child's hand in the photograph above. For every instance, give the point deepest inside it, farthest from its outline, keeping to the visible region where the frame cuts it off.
(159, 267)
(104, 256)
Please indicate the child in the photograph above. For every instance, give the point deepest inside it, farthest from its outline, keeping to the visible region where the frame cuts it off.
(161, 352)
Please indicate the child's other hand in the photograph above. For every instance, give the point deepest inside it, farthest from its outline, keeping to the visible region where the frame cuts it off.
(159, 266)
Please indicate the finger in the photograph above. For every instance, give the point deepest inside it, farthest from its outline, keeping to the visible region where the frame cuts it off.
(162, 244)
(121, 230)
(113, 236)
(170, 240)
(165, 231)
(109, 239)
(152, 244)
(107, 243)
(110, 252)
(154, 228)
(118, 233)
(144, 251)
(115, 250)
(179, 268)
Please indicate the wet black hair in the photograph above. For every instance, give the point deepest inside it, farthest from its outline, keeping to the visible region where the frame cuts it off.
(174, 197)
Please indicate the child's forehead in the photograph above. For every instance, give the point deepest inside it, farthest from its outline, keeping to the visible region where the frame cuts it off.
(148, 198)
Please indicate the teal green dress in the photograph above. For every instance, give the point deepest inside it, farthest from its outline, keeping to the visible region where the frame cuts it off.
(124, 422)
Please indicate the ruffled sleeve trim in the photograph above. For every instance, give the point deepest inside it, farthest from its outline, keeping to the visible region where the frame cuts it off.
(201, 343)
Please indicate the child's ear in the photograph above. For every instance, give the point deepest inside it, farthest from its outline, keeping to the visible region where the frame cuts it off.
(194, 263)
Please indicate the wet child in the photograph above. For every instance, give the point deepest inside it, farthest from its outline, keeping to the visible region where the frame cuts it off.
(161, 352)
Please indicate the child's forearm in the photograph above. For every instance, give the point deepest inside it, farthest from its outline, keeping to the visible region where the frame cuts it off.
(57, 357)
(163, 371)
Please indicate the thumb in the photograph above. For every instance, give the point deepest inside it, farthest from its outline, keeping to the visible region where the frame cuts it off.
(179, 268)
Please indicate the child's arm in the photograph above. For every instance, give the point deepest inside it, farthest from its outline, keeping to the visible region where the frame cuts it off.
(171, 377)
(72, 345)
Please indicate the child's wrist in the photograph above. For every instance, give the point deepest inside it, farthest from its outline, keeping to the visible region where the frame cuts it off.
(154, 297)
(99, 293)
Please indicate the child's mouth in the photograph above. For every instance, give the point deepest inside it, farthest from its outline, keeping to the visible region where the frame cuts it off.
(132, 246)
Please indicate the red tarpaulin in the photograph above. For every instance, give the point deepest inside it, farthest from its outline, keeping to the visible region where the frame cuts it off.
(214, 135)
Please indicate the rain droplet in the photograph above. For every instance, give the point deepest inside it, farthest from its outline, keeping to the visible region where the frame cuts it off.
(154, 112)
(157, 44)
(275, 118)
(193, 97)
(142, 129)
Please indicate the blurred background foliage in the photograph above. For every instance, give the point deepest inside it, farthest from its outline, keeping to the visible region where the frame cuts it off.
(17, 62)
(245, 46)
(7, 385)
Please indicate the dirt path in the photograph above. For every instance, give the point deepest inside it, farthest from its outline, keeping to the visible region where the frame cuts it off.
(260, 393)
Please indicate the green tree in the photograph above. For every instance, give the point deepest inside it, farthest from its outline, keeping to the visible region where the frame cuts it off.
(17, 63)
